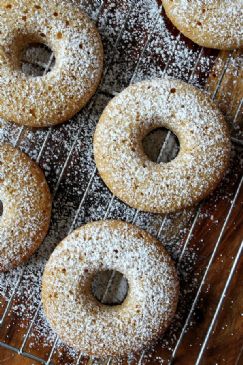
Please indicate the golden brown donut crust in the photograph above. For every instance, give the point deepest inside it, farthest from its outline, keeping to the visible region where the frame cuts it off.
(161, 187)
(26, 203)
(101, 330)
(55, 97)
(209, 23)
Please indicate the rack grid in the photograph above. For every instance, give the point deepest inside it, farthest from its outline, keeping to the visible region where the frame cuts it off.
(136, 37)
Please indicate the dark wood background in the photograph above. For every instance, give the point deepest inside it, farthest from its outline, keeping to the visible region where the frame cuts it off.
(205, 241)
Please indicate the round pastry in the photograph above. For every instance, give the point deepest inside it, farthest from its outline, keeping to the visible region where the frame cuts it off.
(26, 207)
(214, 24)
(55, 97)
(161, 187)
(98, 329)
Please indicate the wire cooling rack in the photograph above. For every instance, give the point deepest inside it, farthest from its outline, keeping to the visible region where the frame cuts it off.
(205, 241)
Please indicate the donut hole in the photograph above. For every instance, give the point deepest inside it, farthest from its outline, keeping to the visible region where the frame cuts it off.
(37, 59)
(1, 208)
(161, 145)
(110, 287)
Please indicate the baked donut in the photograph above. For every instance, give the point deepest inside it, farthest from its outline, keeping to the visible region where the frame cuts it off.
(54, 98)
(97, 329)
(214, 24)
(161, 187)
(26, 207)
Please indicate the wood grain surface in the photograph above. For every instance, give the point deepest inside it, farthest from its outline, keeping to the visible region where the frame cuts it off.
(205, 241)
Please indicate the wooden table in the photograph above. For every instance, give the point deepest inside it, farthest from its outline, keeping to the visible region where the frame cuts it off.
(205, 241)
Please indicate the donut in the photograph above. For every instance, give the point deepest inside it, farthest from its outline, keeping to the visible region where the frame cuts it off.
(86, 324)
(26, 207)
(55, 97)
(213, 24)
(161, 187)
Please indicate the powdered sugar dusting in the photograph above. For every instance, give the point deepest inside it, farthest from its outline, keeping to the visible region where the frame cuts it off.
(131, 44)
(130, 175)
(94, 200)
(209, 23)
(26, 207)
(58, 95)
(99, 329)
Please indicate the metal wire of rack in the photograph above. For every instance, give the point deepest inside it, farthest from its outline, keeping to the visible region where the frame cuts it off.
(196, 214)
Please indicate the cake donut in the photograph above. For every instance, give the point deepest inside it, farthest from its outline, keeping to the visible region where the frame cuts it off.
(98, 329)
(161, 187)
(26, 207)
(55, 97)
(214, 24)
